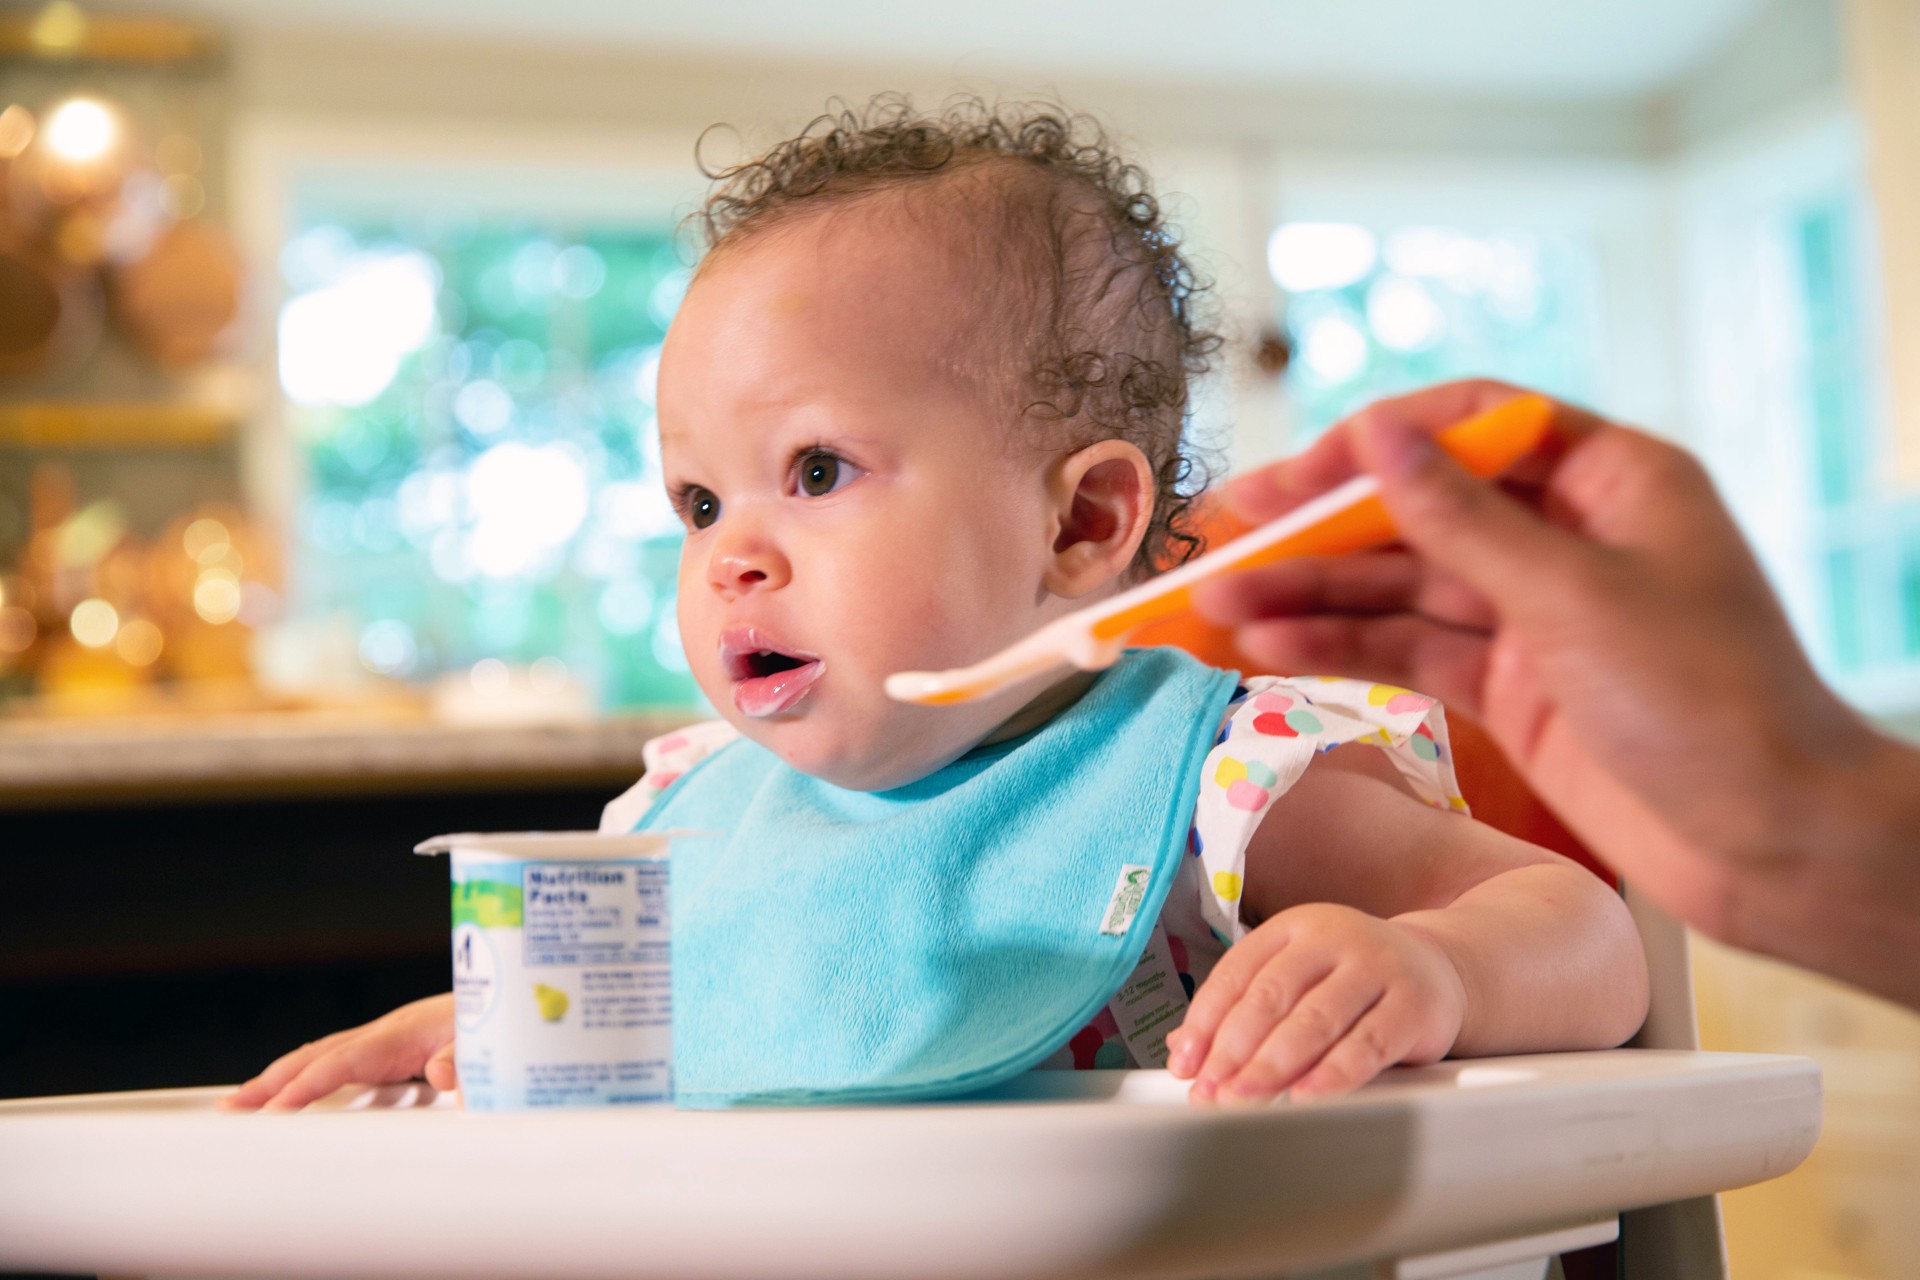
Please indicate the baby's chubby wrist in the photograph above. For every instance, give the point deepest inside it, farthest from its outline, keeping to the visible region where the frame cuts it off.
(1432, 937)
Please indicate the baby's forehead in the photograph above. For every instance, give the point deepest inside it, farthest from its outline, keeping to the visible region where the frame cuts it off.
(894, 275)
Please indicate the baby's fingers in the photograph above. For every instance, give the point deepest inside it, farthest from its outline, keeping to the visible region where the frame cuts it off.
(1276, 992)
(282, 1069)
(1190, 1043)
(360, 1060)
(1282, 1049)
(440, 1069)
(1379, 1040)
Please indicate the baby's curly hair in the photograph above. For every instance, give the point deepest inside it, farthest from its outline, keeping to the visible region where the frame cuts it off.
(1109, 323)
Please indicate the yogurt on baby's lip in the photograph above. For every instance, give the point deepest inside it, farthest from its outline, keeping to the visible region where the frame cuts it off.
(562, 985)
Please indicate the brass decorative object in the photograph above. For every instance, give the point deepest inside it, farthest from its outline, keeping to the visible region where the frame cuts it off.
(63, 32)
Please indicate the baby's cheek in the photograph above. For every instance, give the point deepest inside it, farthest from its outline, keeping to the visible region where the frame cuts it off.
(699, 639)
(887, 609)
(933, 628)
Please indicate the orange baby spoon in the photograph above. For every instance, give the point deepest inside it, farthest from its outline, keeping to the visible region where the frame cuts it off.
(1348, 518)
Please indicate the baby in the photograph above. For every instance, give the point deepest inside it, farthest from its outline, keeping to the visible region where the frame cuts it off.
(926, 393)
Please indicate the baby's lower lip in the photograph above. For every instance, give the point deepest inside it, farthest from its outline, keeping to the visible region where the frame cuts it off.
(760, 696)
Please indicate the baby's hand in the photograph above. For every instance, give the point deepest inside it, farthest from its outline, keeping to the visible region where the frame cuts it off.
(1318, 1000)
(415, 1039)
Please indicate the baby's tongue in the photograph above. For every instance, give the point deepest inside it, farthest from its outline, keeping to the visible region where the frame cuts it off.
(770, 694)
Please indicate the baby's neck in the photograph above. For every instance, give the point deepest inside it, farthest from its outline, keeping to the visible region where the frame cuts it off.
(1050, 702)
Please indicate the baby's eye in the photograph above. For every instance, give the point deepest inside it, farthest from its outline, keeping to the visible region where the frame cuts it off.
(702, 507)
(822, 473)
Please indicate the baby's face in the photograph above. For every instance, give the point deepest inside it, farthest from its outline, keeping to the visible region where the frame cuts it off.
(853, 508)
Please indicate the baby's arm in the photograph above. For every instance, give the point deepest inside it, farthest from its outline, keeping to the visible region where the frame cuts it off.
(415, 1039)
(1450, 938)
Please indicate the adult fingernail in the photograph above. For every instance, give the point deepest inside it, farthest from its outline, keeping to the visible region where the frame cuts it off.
(1251, 495)
(1395, 448)
(1217, 601)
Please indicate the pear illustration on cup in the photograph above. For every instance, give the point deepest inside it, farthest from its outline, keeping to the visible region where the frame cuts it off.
(552, 1001)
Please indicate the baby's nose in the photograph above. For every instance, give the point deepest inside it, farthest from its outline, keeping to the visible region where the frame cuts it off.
(747, 566)
(739, 571)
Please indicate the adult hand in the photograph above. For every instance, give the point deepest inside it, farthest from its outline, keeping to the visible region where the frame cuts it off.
(1601, 616)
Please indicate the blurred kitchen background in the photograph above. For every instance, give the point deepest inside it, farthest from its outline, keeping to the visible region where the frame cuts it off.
(329, 505)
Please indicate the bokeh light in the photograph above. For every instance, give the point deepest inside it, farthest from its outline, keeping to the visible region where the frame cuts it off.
(17, 630)
(16, 131)
(626, 607)
(342, 343)
(388, 647)
(1304, 256)
(1334, 349)
(81, 130)
(579, 272)
(483, 407)
(139, 643)
(94, 623)
(490, 677)
(216, 596)
(527, 502)
(60, 28)
(1403, 315)
(182, 196)
(206, 540)
(1380, 315)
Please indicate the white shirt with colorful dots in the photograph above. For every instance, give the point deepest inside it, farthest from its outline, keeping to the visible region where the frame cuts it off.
(1269, 734)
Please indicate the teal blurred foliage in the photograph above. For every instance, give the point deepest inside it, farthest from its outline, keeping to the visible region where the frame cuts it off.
(482, 474)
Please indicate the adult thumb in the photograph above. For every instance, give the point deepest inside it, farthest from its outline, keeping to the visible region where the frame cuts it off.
(1463, 524)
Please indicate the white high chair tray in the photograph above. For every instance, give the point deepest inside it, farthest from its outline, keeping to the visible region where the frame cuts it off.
(1060, 1174)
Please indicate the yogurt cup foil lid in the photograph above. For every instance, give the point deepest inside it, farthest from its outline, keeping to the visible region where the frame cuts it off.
(568, 846)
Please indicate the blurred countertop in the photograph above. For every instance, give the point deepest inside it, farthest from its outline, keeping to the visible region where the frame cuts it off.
(64, 761)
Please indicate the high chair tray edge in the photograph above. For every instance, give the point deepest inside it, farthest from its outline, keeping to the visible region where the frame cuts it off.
(1058, 1174)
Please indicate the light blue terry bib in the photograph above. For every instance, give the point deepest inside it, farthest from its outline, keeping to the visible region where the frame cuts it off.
(842, 946)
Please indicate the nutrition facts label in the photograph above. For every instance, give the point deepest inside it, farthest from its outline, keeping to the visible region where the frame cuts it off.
(562, 978)
(595, 913)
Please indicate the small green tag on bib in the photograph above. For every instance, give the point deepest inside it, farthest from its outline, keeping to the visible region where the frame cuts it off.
(1128, 894)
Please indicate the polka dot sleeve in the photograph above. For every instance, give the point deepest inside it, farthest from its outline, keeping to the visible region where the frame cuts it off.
(1271, 733)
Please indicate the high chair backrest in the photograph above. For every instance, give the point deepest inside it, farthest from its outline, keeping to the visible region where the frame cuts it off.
(1499, 797)
(1679, 1241)
(1683, 1240)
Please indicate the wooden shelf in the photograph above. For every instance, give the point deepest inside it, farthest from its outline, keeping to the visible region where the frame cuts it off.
(111, 424)
(63, 33)
(78, 762)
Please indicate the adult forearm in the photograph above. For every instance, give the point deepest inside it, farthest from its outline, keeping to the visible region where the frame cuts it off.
(1549, 959)
(1847, 900)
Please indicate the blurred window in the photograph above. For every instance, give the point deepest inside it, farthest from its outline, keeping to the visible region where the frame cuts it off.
(1865, 534)
(1377, 311)
(473, 402)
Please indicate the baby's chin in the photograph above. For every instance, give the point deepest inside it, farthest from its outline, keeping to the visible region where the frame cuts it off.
(851, 757)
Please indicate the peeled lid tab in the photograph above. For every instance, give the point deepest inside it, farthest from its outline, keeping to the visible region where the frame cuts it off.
(569, 846)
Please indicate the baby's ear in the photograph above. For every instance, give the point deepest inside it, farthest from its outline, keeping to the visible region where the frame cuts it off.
(1103, 502)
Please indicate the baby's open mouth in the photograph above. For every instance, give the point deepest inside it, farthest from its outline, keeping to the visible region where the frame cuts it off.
(767, 678)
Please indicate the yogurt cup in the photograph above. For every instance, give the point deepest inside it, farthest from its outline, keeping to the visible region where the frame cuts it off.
(562, 983)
